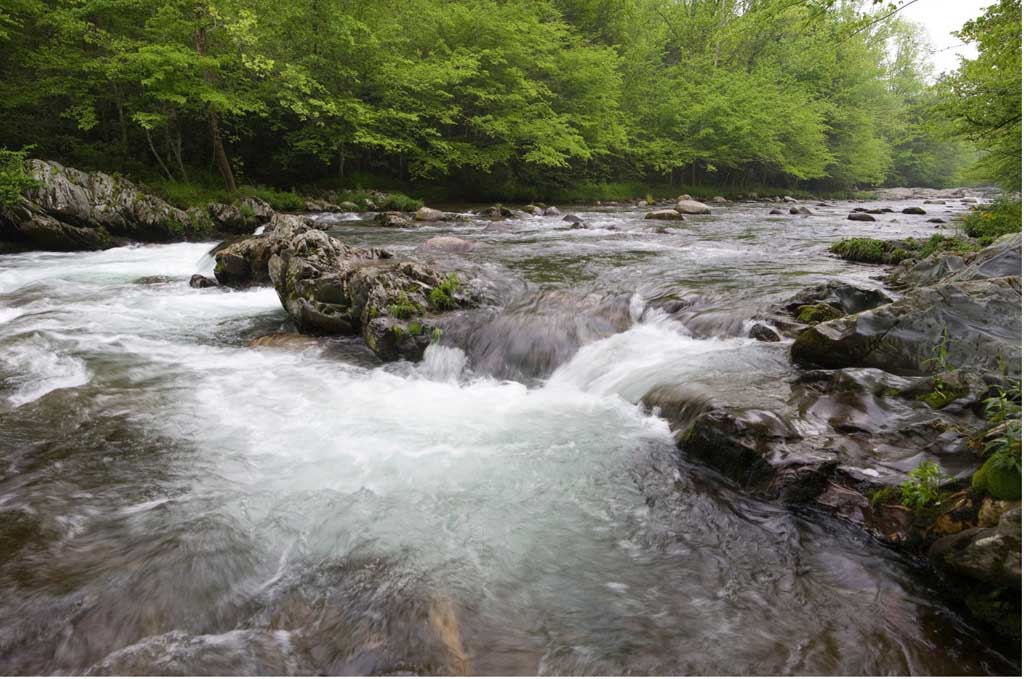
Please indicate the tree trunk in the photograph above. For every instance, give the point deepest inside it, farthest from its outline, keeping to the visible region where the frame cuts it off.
(156, 155)
(223, 164)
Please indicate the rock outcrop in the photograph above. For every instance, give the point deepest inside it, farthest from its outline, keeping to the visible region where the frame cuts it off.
(330, 288)
(75, 210)
(243, 263)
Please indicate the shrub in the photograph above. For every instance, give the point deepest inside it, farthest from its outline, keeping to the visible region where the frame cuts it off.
(1000, 476)
(14, 178)
(399, 202)
(988, 222)
(403, 307)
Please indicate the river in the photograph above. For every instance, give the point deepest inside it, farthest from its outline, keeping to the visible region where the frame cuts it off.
(173, 500)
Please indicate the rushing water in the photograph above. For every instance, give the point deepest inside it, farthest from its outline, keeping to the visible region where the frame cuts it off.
(174, 501)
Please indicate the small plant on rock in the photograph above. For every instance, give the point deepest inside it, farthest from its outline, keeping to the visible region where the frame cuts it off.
(921, 491)
(1000, 476)
(403, 307)
(442, 297)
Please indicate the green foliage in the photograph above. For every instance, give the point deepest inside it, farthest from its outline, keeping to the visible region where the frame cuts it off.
(1000, 476)
(399, 202)
(988, 222)
(285, 201)
(921, 491)
(817, 313)
(939, 362)
(416, 328)
(547, 99)
(403, 307)
(14, 178)
(983, 97)
(940, 243)
(442, 297)
(871, 250)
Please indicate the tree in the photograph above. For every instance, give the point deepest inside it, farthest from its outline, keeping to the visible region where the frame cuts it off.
(983, 97)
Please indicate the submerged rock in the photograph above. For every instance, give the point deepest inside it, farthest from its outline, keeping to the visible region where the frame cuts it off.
(575, 222)
(667, 215)
(396, 220)
(913, 210)
(860, 217)
(447, 244)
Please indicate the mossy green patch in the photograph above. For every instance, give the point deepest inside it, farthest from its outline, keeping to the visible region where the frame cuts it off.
(817, 313)
(442, 297)
(1001, 482)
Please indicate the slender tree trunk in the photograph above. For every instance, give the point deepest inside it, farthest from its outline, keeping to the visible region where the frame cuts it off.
(175, 145)
(156, 155)
(341, 162)
(223, 164)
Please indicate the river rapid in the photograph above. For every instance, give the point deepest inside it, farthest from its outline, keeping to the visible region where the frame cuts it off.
(173, 500)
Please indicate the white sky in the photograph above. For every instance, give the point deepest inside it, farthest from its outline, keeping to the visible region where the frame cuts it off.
(940, 18)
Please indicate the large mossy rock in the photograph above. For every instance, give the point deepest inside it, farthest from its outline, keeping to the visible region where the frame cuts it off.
(329, 288)
(841, 296)
(244, 216)
(74, 210)
(982, 318)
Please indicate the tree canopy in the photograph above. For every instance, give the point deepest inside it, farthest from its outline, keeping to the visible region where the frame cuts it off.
(726, 92)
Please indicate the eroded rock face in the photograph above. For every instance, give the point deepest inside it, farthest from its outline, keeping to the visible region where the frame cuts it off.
(329, 288)
(982, 319)
(75, 210)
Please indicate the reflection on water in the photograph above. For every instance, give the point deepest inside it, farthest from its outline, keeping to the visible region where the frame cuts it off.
(173, 500)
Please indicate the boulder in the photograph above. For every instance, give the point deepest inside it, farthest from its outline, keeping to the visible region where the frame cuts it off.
(244, 216)
(664, 214)
(393, 219)
(801, 210)
(860, 217)
(244, 262)
(989, 555)
(329, 288)
(982, 319)
(551, 211)
(75, 210)
(913, 210)
(201, 281)
(496, 212)
(776, 211)
(575, 222)
(428, 214)
(936, 220)
(763, 333)
(789, 199)
(844, 297)
(719, 200)
(692, 207)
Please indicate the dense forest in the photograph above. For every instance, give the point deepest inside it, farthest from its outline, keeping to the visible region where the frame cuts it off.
(503, 98)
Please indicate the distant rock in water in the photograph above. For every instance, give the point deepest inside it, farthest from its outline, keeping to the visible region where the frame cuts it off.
(692, 207)
(575, 222)
(447, 244)
(860, 217)
(668, 215)
(75, 210)
(428, 214)
(913, 210)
